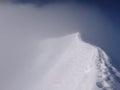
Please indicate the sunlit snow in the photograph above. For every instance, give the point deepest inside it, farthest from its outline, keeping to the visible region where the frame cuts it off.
(64, 63)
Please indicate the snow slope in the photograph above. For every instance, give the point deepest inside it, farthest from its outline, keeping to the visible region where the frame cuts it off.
(65, 63)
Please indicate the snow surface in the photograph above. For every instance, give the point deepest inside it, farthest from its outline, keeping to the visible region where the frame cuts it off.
(65, 63)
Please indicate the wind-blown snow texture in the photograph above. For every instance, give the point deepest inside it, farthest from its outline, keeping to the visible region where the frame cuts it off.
(67, 63)
(80, 66)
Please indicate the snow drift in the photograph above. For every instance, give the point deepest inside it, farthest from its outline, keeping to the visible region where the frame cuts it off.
(65, 63)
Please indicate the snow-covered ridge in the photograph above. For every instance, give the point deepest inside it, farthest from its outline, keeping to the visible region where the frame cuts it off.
(65, 63)
(80, 62)
(88, 60)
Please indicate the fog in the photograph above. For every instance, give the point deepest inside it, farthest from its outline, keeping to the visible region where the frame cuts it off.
(22, 26)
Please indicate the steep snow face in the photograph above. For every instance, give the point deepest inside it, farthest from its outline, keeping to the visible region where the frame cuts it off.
(64, 63)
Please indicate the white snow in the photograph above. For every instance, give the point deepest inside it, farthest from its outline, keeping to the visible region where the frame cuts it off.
(65, 63)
